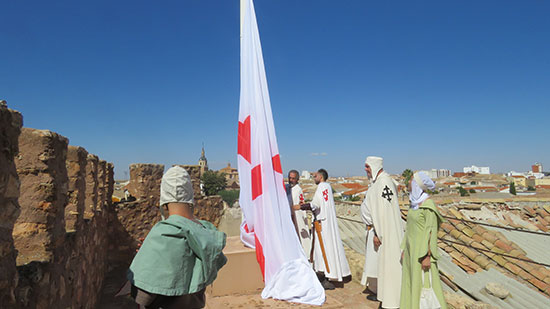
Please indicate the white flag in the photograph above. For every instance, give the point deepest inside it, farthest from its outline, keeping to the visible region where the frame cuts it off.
(267, 224)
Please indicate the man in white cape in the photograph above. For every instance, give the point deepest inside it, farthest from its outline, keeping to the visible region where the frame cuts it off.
(380, 210)
(296, 198)
(323, 207)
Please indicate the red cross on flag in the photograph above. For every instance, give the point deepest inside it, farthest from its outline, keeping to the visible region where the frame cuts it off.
(267, 224)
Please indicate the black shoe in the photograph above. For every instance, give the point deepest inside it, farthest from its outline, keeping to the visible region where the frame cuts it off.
(327, 285)
(372, 297)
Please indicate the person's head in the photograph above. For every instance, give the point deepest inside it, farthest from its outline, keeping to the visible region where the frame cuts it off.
(176, 190)
(293, 177)
(321, 176)
(373, 166)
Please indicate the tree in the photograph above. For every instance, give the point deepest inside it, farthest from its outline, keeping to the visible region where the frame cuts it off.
(463, 191)
(229, 196)
(531, 188)
(472, 191)
(407, 175)
(513, 188)
(213, 182)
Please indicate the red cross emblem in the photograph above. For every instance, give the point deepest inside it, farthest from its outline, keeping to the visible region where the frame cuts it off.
(301, 197)
(325, 195)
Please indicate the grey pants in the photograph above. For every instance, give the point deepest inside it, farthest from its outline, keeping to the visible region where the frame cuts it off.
(154, 301)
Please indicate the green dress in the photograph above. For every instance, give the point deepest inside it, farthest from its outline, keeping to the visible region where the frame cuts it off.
(178, 257)
(421, 232)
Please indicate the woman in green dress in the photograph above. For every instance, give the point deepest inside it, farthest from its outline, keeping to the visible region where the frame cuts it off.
(420, 253)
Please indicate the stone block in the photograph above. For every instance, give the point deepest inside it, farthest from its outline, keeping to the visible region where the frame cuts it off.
(76, 172)
(91, 186)
(44, 184)
(10, 127)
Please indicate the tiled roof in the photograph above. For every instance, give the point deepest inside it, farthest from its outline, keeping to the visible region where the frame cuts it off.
(474, 247)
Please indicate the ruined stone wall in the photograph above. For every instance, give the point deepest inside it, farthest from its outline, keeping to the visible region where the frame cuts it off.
(10, 128)
(76, 170)
(139, 216)
(58, 255)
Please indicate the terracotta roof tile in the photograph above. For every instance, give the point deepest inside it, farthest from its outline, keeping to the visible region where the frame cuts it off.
(546, 280)
(542, 212)
(455, 233)
(547, 208)
(502, 245)
(515, 253)
(456, 213)
(477, 238)
(525, 275)
(500, 260)
(460, 226)
(468, 231)
(490, 237)
(479, 229)
(530, 211)
(542, 227)
(513, 268)
(465, 239)
(528, 267)
(482, 261)
(487, 244)
(470, 253)
(446, 226)
(539, 284)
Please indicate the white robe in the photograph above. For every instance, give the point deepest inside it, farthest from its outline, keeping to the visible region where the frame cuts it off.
(381, 209)
(323, 207)
(301, 220)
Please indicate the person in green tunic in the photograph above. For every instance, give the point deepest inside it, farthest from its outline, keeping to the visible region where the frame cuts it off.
(420, 252)
(181, 255)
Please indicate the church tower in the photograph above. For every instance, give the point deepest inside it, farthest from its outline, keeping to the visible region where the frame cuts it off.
(203, 163)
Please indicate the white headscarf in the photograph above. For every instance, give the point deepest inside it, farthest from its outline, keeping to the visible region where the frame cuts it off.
(176, 187)
(375, 164)
(420, 183)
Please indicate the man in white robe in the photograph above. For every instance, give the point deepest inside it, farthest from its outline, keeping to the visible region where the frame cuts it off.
(380, 210)
(325, 212)
(300, 216)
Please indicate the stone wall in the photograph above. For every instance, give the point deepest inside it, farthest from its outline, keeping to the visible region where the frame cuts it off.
(59, 230)
(10, 128)
(76, 170)
(52, 255)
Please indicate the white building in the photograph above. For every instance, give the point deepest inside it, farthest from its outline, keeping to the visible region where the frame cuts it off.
(438, 173)
(477, 169)
(306, 175)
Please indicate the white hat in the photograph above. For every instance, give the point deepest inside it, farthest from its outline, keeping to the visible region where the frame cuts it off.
(376, 164)
(176, 186)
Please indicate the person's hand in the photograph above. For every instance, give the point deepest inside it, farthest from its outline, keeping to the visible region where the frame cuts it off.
(296, 207)
(376, 242)
(426, 263)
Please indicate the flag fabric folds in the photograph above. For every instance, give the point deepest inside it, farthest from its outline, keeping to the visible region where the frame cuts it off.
(267, 224)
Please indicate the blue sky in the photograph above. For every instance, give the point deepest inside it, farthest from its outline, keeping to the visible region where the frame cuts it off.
(425, 84)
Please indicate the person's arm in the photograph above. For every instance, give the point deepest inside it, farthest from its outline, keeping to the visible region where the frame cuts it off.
(428, 252)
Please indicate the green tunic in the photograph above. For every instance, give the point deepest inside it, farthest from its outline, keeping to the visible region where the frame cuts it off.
(421, 232)
(178, 257)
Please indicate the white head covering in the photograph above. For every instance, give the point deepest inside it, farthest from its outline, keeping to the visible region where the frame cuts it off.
(375, 164)
(176, 187)
(419, 184)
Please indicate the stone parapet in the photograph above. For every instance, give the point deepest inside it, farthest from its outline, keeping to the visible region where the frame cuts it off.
(40, 228)
(10, 128)
(76, 171)
(91, 186)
